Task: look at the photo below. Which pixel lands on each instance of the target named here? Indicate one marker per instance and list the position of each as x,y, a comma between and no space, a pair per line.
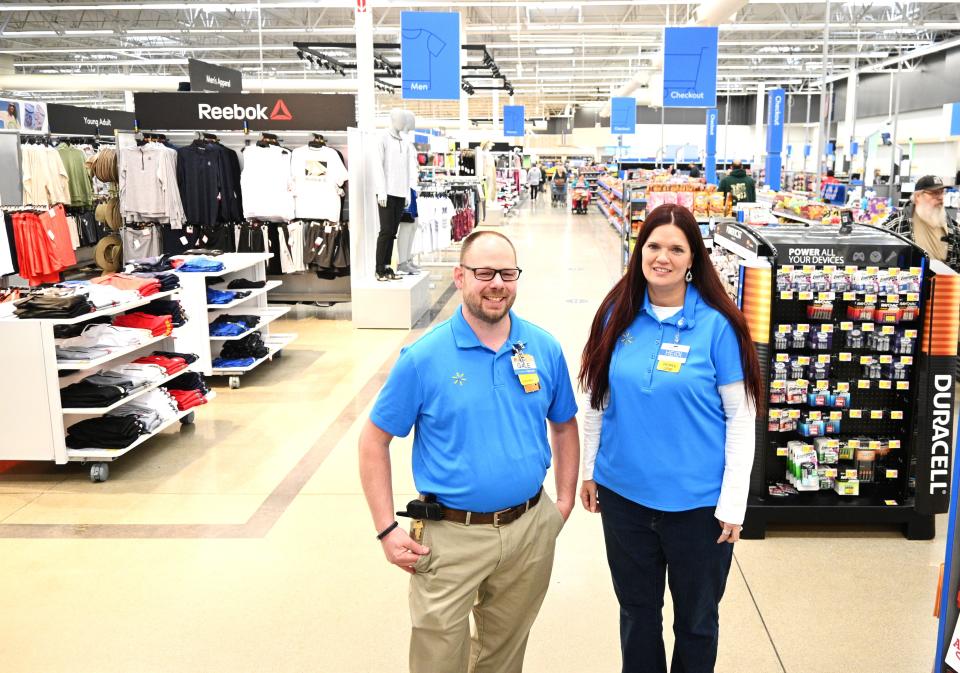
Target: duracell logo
280,111
942,424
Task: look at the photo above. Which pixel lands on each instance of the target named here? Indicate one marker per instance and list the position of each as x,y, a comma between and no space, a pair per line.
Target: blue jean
642,544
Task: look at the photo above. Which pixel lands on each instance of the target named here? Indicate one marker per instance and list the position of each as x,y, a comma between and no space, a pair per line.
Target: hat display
108,212
109,253
929,182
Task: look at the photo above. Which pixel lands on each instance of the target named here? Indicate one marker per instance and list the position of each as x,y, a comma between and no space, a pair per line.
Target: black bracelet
386,531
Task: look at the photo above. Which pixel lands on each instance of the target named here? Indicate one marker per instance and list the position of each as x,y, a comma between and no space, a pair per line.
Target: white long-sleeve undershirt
739,447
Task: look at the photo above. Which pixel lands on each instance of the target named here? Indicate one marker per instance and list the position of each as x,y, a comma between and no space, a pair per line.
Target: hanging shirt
318,174
78,179
266,184
395,174
200,179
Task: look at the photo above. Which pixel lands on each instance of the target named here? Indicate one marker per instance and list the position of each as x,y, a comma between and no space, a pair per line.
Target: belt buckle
496,517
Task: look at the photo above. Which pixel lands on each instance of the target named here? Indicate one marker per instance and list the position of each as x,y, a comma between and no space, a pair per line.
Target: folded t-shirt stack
67,353
86,394
250,346
200,265
233,325
189,381
52,305
99,335
152,409
108,386
159,325
170,365
168,281
101,296
215,296
245,284
105,432
189,358
161,263
143,286
170,307
187,399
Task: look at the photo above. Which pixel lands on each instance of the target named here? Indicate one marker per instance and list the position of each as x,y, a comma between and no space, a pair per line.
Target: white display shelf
610,189
275,342
271,285
79,365
110,310
232,262
108,455
795,217
267,316
99,411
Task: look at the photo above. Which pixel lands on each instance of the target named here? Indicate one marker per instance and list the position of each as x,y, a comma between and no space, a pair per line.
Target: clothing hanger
318,141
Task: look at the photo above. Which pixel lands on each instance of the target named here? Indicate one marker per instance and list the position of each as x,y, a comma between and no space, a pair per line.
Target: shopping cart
558,192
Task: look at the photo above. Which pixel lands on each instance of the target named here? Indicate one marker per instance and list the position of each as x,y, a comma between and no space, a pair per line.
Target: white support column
128,101
464,96
366,97
850,116
759,138
495,112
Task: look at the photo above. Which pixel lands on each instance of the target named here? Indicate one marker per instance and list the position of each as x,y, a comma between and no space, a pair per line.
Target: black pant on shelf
389,221
642,543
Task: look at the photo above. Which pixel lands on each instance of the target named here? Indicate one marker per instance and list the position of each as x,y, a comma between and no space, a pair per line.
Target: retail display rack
609,200
194,337
35,423
857,339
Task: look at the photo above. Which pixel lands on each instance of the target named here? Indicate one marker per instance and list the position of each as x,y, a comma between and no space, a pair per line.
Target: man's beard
932,215
475,306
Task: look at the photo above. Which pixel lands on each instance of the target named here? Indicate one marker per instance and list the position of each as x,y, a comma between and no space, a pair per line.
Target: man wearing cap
926,223
482,390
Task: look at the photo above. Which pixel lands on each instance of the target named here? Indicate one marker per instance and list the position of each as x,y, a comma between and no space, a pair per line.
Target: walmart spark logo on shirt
459,379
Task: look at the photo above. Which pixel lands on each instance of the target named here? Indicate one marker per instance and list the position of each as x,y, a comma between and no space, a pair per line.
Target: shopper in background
534,178
739,185
694,171
925,222
560,175
829,178
481,389
673,380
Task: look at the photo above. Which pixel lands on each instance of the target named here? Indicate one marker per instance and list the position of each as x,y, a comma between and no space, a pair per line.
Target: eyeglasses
485,273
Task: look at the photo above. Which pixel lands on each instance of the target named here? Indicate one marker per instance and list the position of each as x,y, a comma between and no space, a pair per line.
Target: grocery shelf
94,411
610,189
78,365
271,285
267,316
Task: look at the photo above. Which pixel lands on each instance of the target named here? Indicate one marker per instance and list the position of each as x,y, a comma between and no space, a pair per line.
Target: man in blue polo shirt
481,389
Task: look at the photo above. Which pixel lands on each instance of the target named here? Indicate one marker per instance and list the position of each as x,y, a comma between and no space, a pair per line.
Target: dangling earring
689,275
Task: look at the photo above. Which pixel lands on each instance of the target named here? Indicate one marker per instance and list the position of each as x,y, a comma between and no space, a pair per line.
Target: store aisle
244,544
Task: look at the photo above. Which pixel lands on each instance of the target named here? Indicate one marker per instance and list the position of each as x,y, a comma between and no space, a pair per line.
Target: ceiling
556,54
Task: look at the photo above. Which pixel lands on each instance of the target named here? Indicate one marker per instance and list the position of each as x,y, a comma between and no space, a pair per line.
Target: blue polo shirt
481,440
663,435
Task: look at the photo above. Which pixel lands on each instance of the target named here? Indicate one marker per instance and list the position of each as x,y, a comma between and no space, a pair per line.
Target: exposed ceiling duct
717,12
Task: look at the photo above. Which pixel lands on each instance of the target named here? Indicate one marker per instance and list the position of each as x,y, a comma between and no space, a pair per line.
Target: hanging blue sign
789,150
854,148
623,115
776,104
806,150
713,117
430,55
690,67
513,120
955,119
831,149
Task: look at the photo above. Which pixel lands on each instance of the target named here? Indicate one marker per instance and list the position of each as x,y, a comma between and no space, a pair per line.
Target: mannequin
392,183
407,230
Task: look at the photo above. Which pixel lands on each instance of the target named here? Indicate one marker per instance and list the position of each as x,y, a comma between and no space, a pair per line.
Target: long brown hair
624,301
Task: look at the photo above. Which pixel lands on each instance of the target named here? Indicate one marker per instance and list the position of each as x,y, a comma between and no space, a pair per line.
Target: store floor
243,543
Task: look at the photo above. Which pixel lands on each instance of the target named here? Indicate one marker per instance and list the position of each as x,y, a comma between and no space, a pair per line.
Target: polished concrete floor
243,543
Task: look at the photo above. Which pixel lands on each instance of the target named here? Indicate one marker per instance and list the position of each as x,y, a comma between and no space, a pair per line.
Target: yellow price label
907,359
836,415
846,326
830,472
823,385
894,443
843,386
845,357
784,329
804,360
782,452
913,296
870,298
887,329
850,269
815,415
803,328
885,385
915,270
892,474
863,384
827,296
903,385
823,359
787,268
826,329
890,503
886,359
804,295
893,271
829,269
866,359
807,268
850,474
833,443
778,385
803,383
910,333
896,415
854,443
893,298
783,357
856,413
849,296
793,413
867,327
873,269
876,414
875,445
786,294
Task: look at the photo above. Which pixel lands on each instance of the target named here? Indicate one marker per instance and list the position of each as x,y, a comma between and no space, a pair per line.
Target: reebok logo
280,112
207,111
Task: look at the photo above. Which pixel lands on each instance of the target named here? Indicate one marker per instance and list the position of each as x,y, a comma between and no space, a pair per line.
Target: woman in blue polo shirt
673,380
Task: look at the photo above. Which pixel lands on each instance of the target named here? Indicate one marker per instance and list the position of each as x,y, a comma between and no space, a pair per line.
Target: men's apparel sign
513,122
87,120
623,115
690,67
209,77
430,55
236,112
713,116
776,106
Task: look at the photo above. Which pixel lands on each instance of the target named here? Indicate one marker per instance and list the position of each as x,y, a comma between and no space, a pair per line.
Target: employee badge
525,367
672,357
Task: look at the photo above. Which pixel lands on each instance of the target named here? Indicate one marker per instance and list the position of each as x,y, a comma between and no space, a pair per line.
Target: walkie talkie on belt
425,508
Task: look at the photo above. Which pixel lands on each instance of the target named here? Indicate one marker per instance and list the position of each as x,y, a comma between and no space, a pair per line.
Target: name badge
525,367
672,357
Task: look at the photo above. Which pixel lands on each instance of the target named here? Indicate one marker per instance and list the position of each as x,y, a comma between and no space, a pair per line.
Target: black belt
499,518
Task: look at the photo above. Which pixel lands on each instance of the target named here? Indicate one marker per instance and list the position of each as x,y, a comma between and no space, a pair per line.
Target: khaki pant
500,575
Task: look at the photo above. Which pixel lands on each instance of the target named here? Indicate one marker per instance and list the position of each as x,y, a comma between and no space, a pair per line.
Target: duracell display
844,328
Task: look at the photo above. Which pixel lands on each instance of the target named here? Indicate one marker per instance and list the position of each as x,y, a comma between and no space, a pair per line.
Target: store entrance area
243,543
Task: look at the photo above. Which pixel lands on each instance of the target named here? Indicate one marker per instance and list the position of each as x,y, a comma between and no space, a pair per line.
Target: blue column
776,103
711,156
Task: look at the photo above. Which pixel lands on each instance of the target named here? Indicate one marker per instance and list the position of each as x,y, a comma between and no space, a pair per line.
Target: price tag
863,384
846,326
849,296
887,329
823,385
823,359
856,413
845,357
184,241
850,269
885,385
870,298
836,415
782,452
867,327
778,385
913,296
893,271
803,296
866,359
827,296
894,443
876,415
833,443
892,298
849,474
873,270
804,360
896,415
876,445
803,328
890,503
903,385
205,239
854,443
815,416
915,270
843,386
886,359
809,268
910,333
793,413
826,329
803,383
786,294
829,269
784,329
783,357
907,359
830,472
